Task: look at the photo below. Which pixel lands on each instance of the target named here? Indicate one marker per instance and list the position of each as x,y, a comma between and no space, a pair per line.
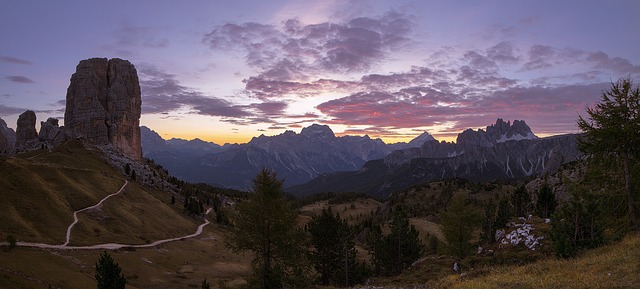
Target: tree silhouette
613,131
266,226
108,273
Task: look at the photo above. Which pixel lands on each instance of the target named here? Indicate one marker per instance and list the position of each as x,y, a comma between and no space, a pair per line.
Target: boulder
103,104
26,133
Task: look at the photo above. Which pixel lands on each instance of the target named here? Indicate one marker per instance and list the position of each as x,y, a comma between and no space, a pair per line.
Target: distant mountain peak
499,132
317,130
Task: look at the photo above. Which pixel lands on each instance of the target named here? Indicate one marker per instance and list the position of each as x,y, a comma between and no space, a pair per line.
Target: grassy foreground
612,266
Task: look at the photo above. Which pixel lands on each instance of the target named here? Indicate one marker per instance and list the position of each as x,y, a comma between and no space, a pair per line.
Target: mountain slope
477,156
41,190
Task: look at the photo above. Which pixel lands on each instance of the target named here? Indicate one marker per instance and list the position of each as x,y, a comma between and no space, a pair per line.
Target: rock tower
26,132
103,104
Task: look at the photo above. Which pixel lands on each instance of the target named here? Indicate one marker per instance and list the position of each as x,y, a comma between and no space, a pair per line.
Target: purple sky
228,70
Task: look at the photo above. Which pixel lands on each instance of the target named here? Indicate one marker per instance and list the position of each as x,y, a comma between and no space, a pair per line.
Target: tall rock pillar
103,104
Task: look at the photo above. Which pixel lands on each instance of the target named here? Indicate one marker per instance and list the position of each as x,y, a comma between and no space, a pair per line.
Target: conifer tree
546,204
577,225
334,257
266,226
458,225
521,201
613,131
108,273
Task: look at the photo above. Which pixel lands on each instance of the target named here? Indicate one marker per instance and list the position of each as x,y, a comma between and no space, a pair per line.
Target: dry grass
614,266
181,264
425,228
40,191
354,212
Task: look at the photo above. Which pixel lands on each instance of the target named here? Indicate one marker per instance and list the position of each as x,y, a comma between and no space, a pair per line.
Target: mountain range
316,160
296,157
501,152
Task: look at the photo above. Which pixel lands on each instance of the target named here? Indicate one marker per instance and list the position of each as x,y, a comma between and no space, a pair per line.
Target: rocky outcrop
51,133
7,137
103,104
26,133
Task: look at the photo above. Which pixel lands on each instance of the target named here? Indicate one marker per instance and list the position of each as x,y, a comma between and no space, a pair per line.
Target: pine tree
613,132
458,225
489,222
108,273
577,225
521,201
404,242
504,212
546,204
334,257
266,226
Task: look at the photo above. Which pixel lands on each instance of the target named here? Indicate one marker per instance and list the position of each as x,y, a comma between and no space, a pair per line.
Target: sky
225,71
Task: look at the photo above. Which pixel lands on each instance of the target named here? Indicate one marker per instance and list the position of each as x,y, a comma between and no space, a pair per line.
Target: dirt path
108,246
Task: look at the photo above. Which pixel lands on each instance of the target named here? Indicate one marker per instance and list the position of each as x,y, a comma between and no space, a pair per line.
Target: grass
353,212
613,266
40,191
181,264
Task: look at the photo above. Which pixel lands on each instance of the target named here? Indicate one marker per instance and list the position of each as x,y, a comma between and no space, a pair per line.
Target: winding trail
108,246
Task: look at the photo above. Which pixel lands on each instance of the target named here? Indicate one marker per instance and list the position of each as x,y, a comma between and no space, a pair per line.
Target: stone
7,137
103,104
51,133
26,129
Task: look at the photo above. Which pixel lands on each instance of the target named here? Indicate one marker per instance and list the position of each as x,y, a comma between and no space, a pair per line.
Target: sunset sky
225,71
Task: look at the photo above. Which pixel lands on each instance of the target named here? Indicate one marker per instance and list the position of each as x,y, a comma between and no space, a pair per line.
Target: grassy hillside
40,191
613,266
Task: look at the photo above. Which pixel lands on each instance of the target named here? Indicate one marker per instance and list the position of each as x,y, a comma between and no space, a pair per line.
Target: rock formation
26,129
7,137
103,104
51,133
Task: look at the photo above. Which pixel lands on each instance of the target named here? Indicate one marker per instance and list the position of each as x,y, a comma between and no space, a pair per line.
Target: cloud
162,92
553,109
10,110
601,60
13,60
294,50
19,79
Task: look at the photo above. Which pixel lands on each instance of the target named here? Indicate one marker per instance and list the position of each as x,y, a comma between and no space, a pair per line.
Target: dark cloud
10,110
13,60
162,92
294,50
503,52
19,79
601,60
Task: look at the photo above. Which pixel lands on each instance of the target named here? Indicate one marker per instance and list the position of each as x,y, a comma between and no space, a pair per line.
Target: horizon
451,140
390,69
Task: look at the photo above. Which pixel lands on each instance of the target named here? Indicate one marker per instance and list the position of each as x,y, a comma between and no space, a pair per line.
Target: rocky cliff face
103,104
26,129
7,137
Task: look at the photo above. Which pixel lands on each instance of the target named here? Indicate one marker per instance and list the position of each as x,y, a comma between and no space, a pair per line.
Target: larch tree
612,130
266,226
